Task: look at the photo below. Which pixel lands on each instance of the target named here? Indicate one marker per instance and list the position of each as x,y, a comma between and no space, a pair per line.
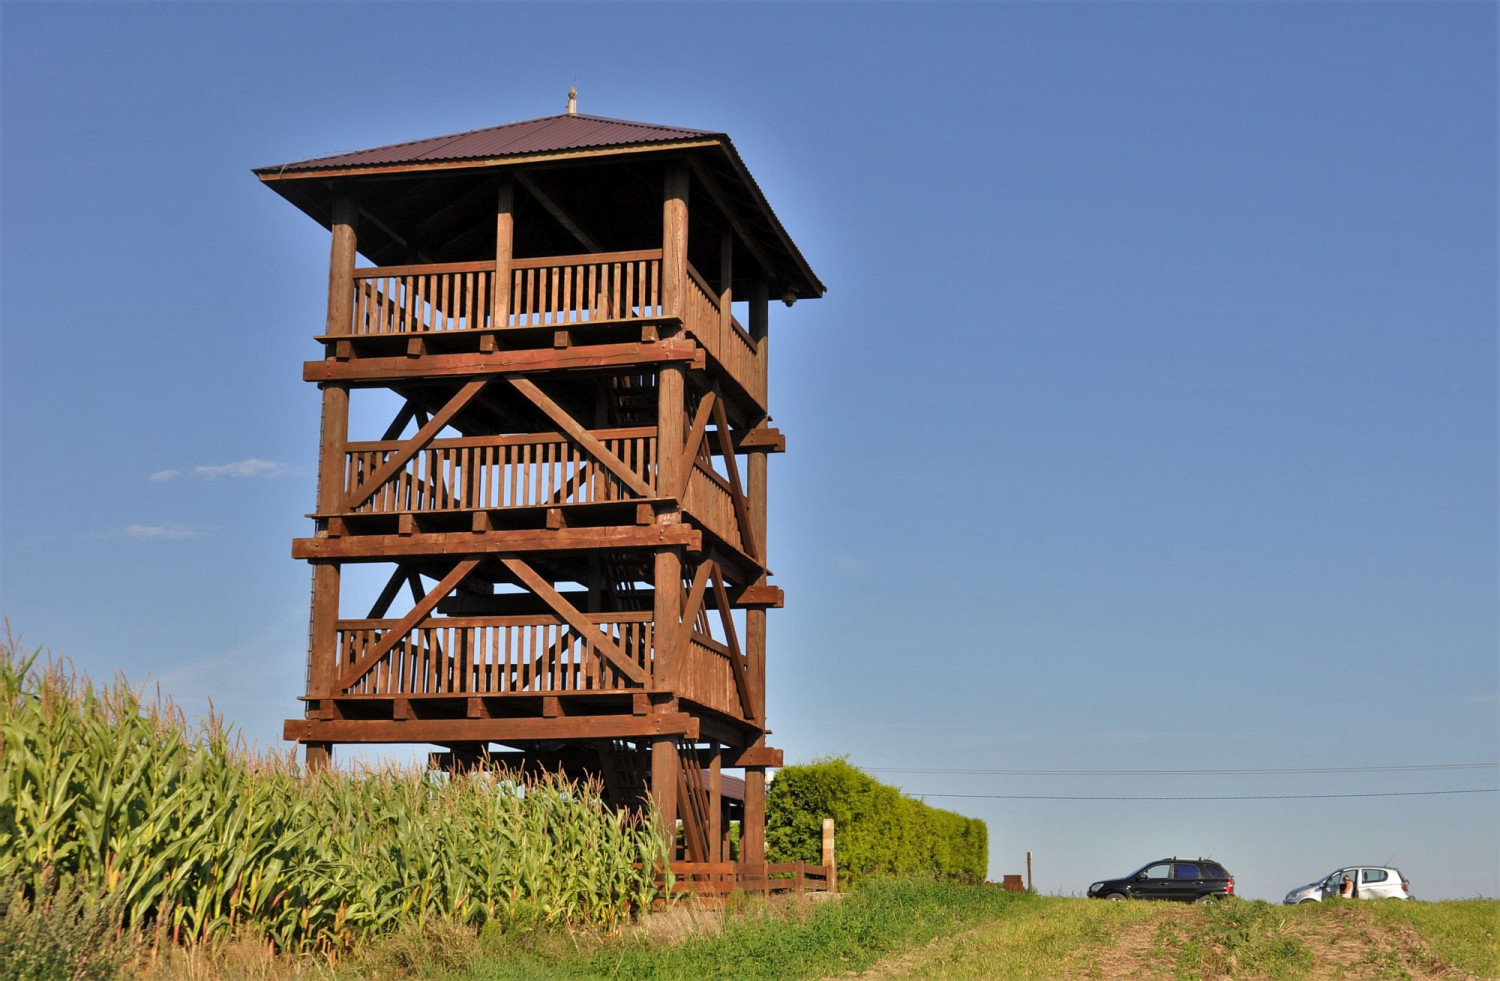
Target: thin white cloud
848,564
162,531
252,467
1490,699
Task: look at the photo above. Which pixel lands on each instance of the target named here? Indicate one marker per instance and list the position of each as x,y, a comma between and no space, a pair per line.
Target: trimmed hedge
879,829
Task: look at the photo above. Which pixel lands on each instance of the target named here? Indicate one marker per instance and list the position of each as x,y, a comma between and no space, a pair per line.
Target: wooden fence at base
718,879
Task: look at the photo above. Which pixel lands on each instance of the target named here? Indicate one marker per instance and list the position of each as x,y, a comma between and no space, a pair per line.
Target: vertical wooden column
716,851
664,789
670,434
505,201
753,833
323,631
753,829
755,619
674,241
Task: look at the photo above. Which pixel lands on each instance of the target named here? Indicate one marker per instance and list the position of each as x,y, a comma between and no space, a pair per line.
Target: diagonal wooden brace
418,613
738,664
695,437
581,436
741,505
587,629
410,448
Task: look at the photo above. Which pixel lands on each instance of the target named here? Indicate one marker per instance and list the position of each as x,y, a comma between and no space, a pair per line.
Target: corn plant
191,837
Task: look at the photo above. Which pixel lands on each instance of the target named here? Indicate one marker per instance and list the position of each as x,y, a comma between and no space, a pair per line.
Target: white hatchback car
1368,881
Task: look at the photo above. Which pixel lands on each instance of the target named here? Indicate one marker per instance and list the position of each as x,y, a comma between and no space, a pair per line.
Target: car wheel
1115,896
1207,897
1304,902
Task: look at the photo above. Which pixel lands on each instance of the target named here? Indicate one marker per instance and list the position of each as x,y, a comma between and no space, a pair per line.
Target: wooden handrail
524,439
588,259
428,269
509,620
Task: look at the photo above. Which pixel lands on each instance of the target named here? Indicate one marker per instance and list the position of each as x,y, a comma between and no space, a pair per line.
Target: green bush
878,829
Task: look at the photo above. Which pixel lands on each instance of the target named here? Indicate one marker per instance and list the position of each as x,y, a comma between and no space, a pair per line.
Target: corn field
192,837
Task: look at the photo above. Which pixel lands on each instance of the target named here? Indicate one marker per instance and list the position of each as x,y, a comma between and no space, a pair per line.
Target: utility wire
1189,773
1409,793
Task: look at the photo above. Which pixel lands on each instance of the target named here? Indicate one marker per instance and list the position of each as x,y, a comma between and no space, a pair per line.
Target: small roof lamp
789,297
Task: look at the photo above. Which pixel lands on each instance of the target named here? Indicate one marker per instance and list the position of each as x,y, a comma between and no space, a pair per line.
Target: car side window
1187,870
1374,875
1163,871
1212,871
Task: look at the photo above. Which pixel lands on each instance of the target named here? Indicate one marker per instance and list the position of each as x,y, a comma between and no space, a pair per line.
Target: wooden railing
485,472
708,879
577,289
406,299
709,500
494,655
705,675
725,340
550,291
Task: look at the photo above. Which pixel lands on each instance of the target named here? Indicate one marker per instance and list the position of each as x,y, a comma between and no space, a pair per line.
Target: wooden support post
716,804
319,758
664,789
830,859
753,831
674,241
1029,886
504,237
323,626
667,573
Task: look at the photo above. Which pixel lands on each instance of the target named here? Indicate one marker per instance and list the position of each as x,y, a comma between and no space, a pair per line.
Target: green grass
924,929
776,940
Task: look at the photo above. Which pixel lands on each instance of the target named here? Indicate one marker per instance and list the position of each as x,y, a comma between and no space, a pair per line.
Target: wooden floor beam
667,726
385,548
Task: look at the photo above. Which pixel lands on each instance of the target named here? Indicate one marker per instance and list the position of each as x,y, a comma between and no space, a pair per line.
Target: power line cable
1254,771
1407,793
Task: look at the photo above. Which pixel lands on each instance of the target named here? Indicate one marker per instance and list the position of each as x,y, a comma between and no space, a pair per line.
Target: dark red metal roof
549,134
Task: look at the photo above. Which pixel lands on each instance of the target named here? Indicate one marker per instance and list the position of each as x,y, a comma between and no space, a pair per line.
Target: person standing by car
1346,891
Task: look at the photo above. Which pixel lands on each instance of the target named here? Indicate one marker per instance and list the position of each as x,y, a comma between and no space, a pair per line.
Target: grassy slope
919,929
927,930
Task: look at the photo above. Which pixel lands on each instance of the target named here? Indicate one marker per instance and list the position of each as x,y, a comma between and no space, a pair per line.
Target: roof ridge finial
573,100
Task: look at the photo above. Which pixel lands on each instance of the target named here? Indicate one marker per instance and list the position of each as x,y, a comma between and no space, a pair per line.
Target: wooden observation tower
564,488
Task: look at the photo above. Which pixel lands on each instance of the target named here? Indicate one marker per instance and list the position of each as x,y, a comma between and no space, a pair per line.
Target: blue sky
1149,422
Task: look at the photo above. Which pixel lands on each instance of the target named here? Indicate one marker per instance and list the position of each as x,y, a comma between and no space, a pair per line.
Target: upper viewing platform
564,223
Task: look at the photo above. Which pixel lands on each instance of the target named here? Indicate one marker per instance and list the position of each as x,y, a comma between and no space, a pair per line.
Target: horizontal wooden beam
759,596
753,756
489,730
385,548
505,362
766,439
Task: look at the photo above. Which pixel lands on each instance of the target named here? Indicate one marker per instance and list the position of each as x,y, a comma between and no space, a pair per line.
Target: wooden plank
409,448
667,724
506,362
418,615
706,406
603,642
381,548
424,269
585,439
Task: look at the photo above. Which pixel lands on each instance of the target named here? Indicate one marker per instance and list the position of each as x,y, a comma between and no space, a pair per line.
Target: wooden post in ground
716,852
664,789
1029,886
830,863
753,831
323,630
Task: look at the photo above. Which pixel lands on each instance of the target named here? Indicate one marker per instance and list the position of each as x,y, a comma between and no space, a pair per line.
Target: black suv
1186,880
